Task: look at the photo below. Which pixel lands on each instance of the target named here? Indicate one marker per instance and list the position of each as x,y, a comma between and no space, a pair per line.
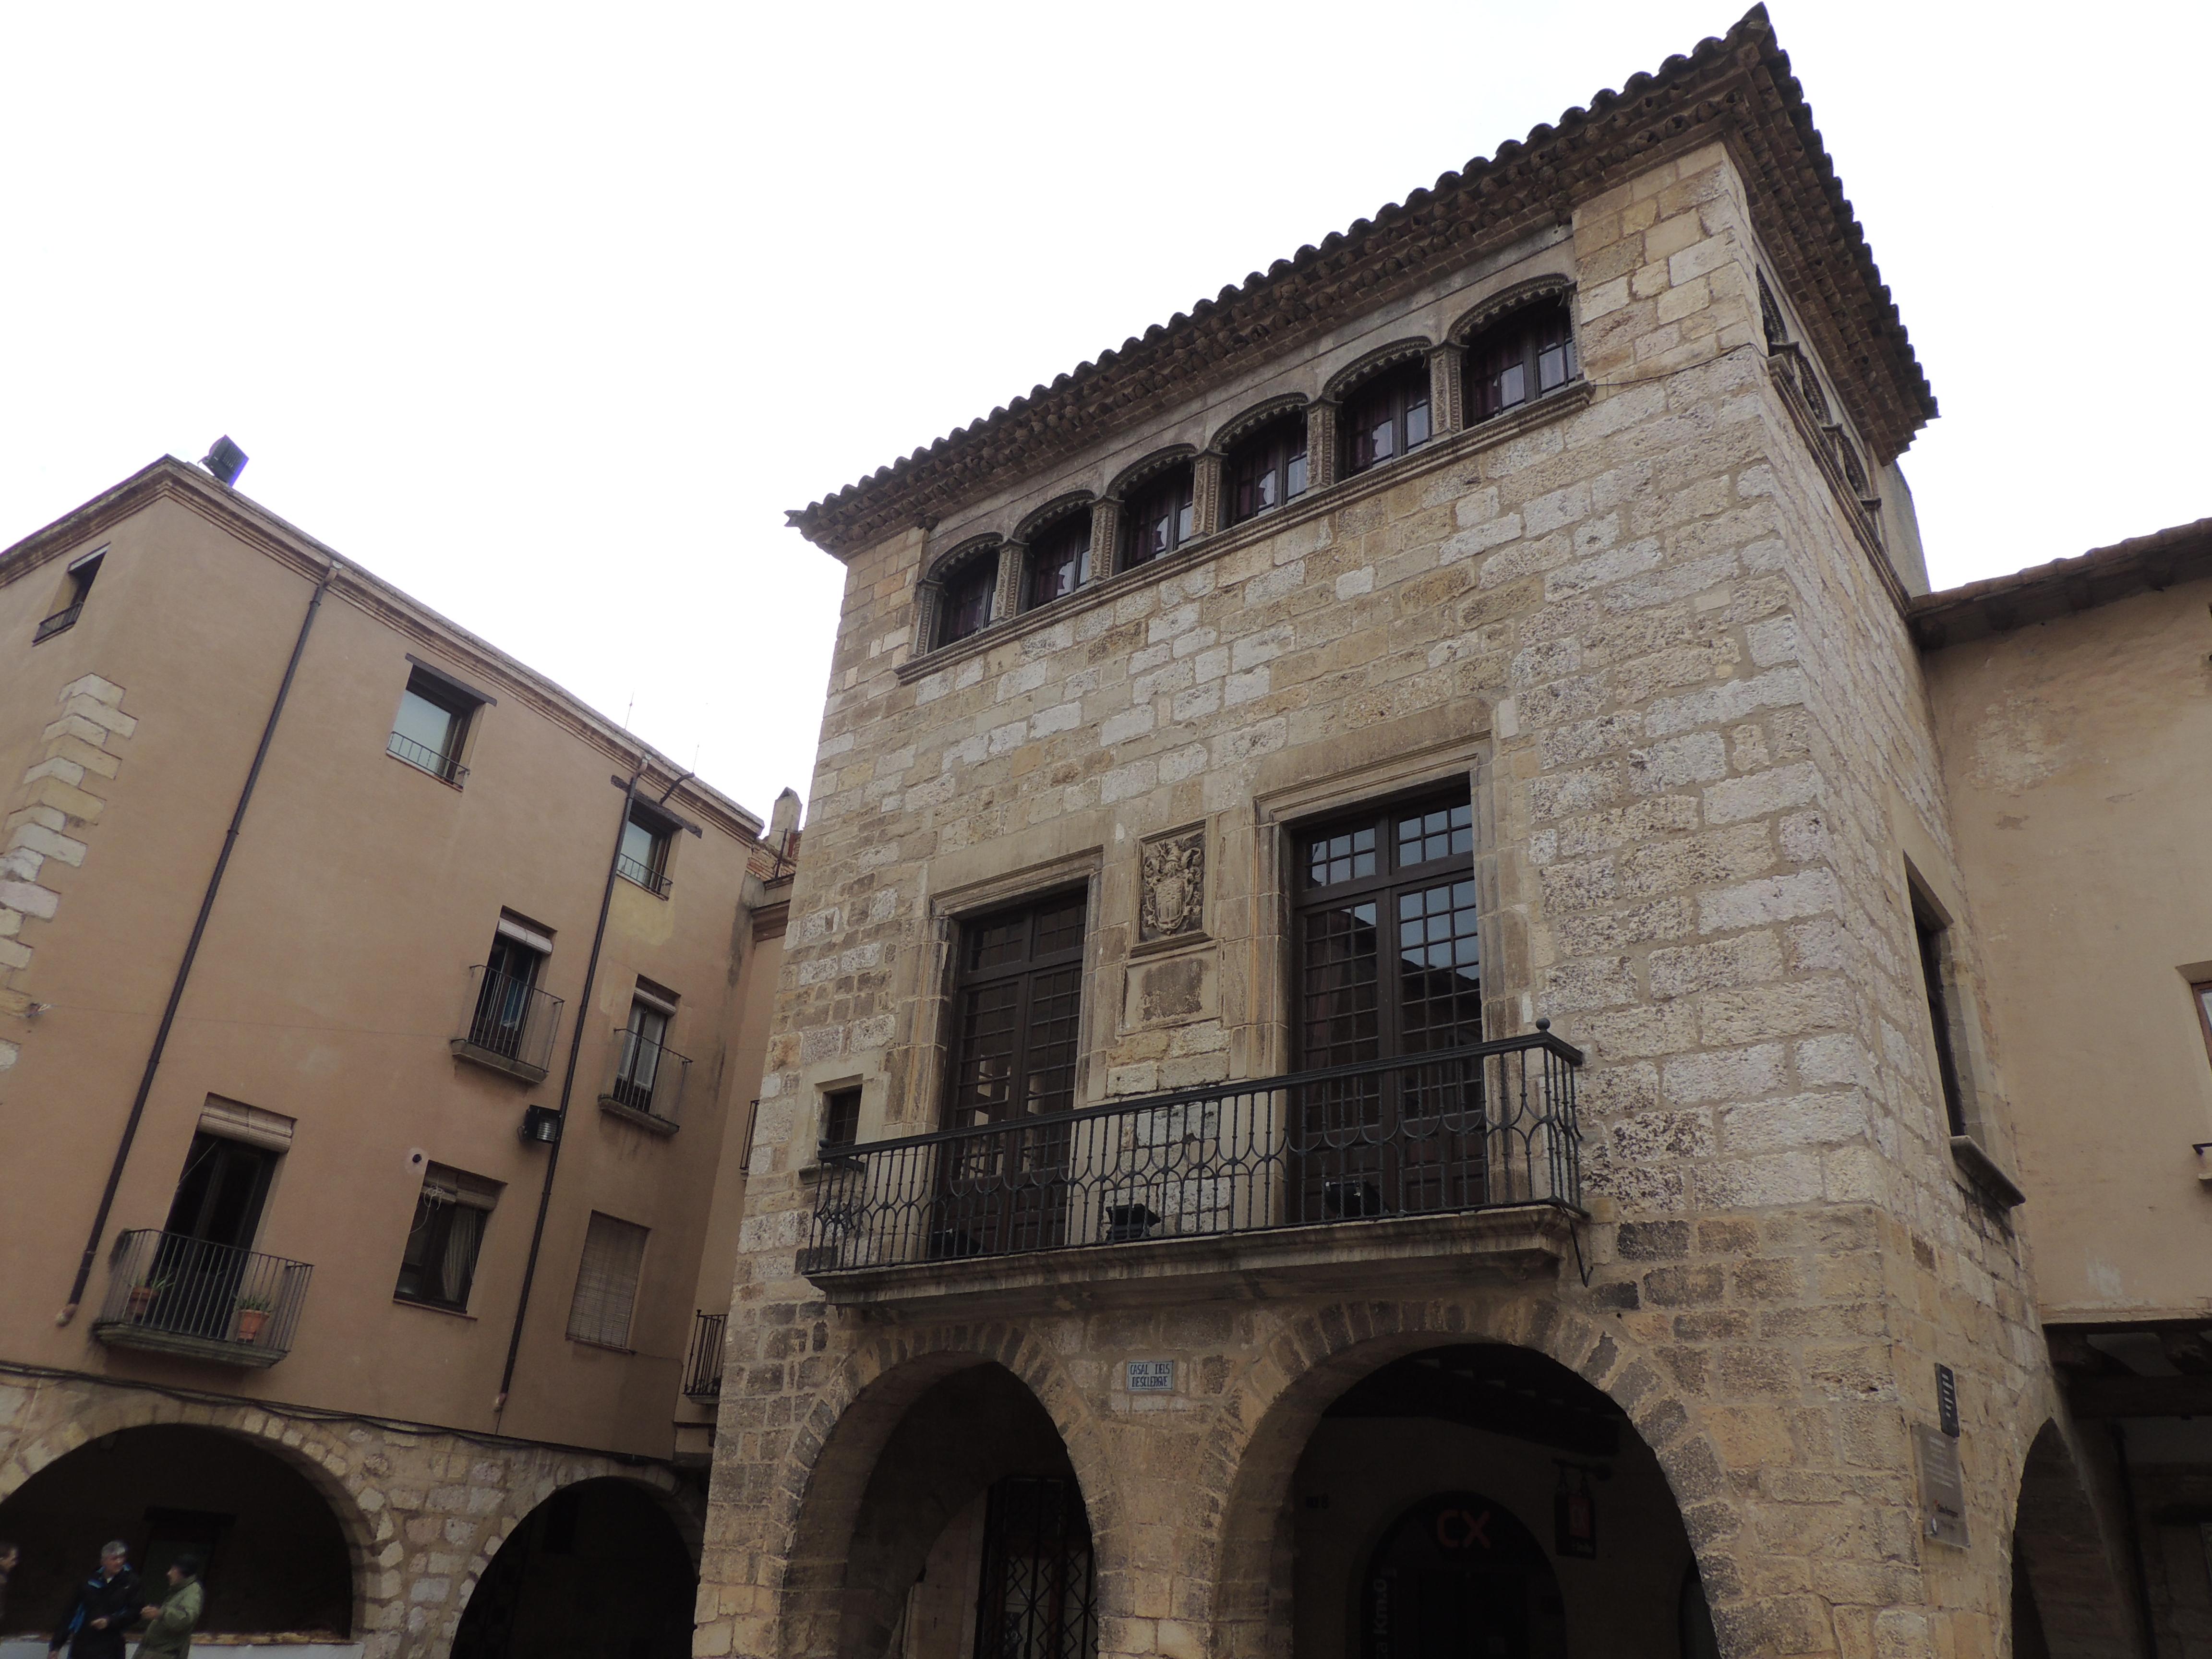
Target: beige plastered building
279,1145
1427,986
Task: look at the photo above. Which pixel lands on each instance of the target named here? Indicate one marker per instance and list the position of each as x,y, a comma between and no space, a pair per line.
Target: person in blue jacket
102,1608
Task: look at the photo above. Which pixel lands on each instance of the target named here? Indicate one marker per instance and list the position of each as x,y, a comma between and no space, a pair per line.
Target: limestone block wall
59,800
423,1511
1646,626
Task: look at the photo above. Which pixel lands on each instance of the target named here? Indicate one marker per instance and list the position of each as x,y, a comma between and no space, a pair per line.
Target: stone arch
523,1501
1274,1407
313,1450
1244,423
2067,1569
1506,301
942,565
1138,472
815,1502
1059,507
1348,378
501,1622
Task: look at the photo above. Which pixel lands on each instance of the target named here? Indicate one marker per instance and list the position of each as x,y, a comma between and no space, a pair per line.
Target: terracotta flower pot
250,1321
140,1298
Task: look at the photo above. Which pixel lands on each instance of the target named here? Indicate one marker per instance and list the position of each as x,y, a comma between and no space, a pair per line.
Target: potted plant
141,1296
252,1315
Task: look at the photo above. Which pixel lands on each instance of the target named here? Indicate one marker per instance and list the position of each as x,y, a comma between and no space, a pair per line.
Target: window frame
469,1192
1065,542
1389,881
427,686
598,1338
1277,453
1398,389
965,981
1929,928
1179,480
840,1119
660,830
976,577
1522,328
2199,990
76,586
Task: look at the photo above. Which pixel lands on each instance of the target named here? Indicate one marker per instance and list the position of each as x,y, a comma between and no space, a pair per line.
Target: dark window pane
1159,517
1526,353
966,607
1059,563
426,723
1390,415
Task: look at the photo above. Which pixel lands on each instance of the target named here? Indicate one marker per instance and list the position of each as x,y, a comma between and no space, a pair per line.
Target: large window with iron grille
1160,517
1388,979
1017,1011
1059,562
1387,415
1523,355
1268,468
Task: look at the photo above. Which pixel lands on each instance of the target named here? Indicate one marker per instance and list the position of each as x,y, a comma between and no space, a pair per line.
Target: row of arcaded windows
1522,355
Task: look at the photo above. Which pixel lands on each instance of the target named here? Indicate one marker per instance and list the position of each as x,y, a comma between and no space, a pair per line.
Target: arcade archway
276,1558
597,1570
1470,1500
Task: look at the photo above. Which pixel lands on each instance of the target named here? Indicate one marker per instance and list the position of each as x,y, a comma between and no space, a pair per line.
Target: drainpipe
191,952
568,1084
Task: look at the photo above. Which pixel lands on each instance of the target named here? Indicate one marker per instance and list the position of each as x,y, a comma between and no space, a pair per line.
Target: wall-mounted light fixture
541,1125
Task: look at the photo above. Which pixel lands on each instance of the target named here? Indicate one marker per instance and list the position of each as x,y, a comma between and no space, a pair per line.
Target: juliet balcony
172,1294
510,1025
1449,1163
645,1082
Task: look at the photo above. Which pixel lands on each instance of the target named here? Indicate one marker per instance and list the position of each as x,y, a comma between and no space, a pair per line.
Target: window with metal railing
646,1076
76,586
512,1018
702,1364
432,725
646,839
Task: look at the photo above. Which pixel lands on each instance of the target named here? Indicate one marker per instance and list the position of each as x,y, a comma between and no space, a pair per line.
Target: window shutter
606,1282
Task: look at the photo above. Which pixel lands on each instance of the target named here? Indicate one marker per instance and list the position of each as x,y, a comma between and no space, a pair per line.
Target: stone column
1447,390
1321,444
1008,600
926,596
1205,494
1105,539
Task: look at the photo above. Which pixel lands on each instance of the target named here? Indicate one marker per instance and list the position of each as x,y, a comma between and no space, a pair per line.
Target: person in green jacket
171,1629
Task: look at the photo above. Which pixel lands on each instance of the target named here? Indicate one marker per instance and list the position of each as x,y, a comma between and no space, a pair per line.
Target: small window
439,1262
1387,415
2202,991
1267,469
840,1119
1059,561
965,608
74,588
1928,929
645,1054
432,721
1160,518
606,1282
1522,355
645,843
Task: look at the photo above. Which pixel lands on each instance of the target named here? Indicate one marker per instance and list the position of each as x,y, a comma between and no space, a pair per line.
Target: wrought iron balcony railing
60,621
647,1079
422,756
510,1025
643,874
181,1295
702,1366
1486,1127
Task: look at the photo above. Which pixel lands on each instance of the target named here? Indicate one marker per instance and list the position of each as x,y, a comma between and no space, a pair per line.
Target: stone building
1143,1257
359,989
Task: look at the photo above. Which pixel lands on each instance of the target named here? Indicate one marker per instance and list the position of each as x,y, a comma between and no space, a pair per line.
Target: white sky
547,313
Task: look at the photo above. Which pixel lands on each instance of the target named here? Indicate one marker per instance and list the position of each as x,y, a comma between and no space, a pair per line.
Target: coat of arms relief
1173,901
